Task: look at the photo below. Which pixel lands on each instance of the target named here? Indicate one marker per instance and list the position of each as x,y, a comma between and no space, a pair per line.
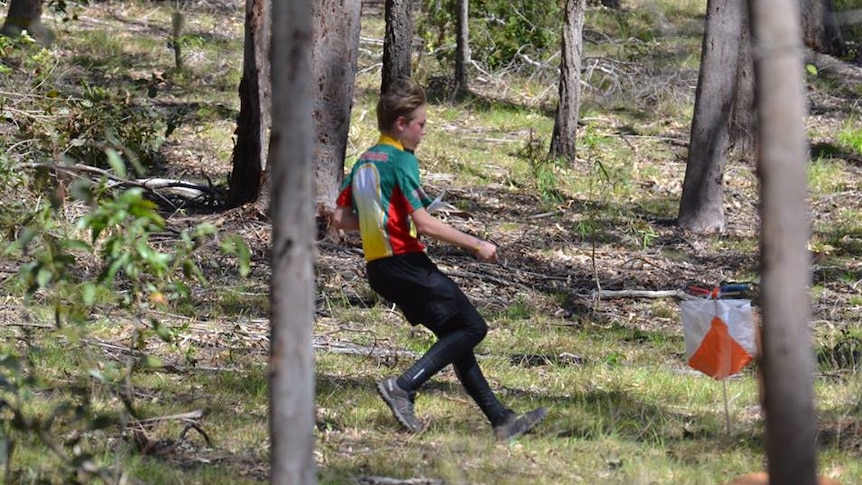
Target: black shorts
413,282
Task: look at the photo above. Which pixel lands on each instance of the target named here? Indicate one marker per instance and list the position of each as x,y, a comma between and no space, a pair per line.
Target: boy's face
411,132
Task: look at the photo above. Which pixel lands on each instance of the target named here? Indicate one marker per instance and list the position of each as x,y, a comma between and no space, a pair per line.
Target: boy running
383,199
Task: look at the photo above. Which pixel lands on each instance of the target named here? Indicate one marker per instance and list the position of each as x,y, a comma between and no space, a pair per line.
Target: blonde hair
401,99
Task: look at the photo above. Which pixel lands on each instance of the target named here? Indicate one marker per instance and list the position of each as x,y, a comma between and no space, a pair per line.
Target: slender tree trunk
743,125
565,135
336,42
250,152
701,208
291,363
26,15
788,363
820,27
397,42
462,47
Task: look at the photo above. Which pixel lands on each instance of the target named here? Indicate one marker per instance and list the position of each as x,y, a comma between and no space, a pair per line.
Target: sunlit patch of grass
826,176
850,136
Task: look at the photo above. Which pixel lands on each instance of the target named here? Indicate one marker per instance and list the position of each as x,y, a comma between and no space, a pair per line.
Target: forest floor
625,407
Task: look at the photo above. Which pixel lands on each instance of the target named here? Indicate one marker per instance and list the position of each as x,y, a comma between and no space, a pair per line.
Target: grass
624,406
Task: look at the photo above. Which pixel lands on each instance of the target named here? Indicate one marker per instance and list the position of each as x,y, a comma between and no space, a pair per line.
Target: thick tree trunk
397,42
743,125
250,152
701,208
26,15
565,135
788,362
820,27
291,362
336,41
462,47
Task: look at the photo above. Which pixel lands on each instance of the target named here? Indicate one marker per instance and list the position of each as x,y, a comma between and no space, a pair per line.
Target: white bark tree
291,362
788,360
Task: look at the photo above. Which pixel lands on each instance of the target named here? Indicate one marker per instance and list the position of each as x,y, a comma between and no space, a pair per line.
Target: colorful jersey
383,188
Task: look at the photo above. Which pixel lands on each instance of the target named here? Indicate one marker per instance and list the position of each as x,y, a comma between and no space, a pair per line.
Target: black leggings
456,339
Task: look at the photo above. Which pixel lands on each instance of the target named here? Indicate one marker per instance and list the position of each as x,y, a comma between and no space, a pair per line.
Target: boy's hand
487,251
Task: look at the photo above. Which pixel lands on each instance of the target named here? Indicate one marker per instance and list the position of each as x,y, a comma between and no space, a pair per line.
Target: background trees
701,208
819,27
253,124
564,137
336,41
397,42
26,15
637,80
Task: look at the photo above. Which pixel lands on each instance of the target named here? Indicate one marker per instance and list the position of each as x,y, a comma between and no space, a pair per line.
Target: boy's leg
399,393
455,339
506,423
471,377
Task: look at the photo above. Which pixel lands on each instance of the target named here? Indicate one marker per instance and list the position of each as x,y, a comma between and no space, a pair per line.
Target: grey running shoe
518,424
401,404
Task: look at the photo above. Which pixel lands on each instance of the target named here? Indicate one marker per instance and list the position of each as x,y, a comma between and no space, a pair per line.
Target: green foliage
843,351
123,227
499,30
543,170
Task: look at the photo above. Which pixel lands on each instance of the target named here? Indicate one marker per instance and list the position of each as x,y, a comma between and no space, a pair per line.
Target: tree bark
253,123
701,208
291,363
336,42
462,48
397,42
820,27
743,125
565,135
788,362
26,15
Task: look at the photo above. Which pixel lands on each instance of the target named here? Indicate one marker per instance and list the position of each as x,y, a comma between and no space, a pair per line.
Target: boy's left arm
345,219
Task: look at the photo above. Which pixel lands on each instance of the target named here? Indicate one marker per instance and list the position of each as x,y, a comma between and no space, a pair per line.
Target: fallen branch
399,481
167,190
612,294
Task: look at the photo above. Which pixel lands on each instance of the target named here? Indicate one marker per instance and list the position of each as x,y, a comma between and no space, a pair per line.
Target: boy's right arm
430,226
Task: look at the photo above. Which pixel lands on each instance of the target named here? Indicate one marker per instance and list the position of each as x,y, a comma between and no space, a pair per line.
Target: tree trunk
26,15
820,27
462,48
397,42
250,152
701,208
291,363
336,42
743,125
566,118
788,359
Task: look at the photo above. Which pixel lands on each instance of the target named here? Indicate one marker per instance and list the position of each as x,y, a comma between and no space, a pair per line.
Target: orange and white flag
719,335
